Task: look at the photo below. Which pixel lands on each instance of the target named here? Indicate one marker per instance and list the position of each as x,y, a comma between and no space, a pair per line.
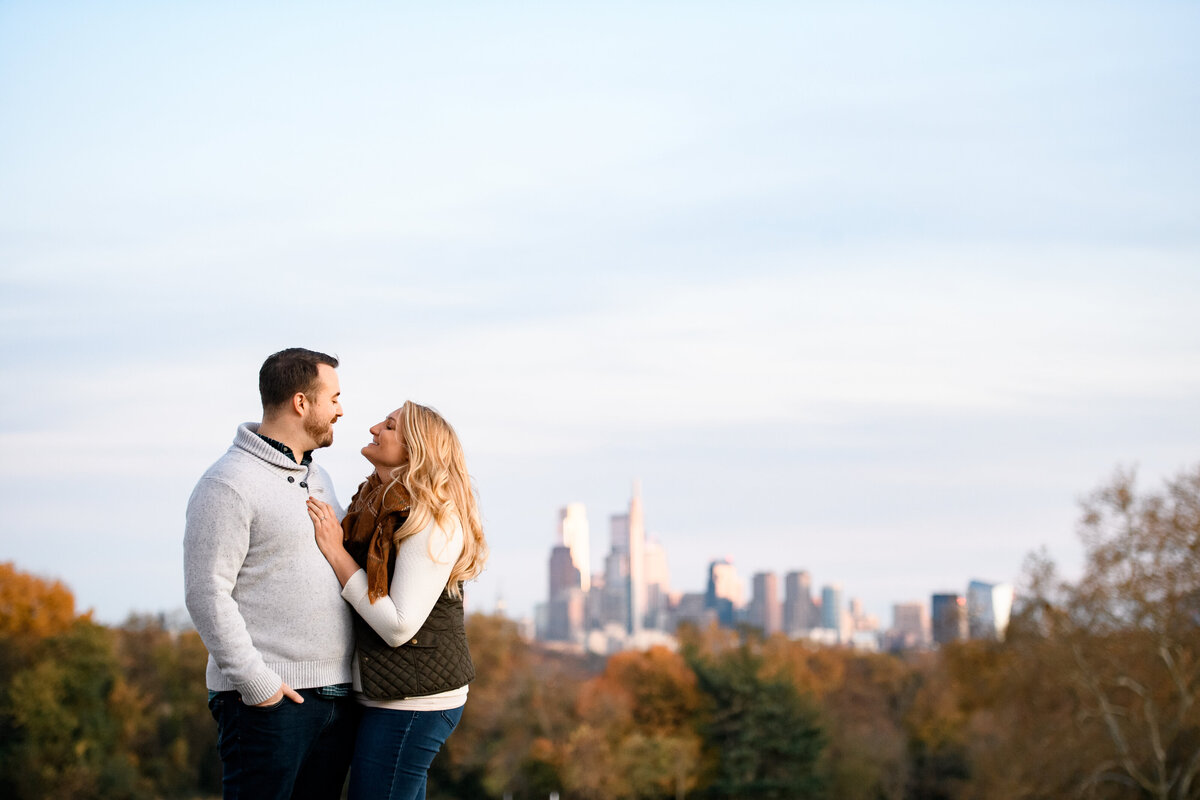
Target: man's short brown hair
289,371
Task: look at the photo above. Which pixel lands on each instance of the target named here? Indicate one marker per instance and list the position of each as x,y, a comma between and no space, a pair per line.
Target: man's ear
299,403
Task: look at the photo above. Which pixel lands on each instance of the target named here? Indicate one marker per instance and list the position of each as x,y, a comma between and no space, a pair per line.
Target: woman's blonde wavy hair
439,488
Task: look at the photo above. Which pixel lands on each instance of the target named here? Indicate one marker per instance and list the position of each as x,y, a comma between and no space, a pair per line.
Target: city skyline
572,612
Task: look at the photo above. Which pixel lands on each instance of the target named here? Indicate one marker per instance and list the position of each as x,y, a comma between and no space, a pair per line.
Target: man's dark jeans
288,751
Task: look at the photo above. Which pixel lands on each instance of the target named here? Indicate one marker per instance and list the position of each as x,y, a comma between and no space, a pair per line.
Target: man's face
324,407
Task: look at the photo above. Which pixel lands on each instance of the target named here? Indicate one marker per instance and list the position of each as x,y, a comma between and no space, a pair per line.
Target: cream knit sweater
263,598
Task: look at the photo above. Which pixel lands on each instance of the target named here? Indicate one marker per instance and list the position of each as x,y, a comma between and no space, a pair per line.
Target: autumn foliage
88,711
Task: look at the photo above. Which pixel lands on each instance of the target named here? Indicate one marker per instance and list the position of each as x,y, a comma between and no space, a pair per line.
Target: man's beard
321,432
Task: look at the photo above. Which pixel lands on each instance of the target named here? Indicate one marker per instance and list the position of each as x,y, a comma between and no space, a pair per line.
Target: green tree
72,715
867,754
765,735
91,711
864,699
57,676
174,742
938,734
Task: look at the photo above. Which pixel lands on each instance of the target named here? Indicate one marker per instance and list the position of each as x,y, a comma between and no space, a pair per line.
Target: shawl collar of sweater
247,439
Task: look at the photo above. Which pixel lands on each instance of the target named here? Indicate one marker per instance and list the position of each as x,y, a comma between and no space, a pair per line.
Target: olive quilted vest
435,660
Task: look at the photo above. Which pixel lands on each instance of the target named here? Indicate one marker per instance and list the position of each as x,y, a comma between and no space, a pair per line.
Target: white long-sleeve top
423,564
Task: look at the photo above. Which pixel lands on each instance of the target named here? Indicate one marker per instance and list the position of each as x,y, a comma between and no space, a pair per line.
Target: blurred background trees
88,711
1094,693
1114,657
762,734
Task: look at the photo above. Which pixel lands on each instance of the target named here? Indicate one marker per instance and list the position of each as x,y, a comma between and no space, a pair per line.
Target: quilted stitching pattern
436,660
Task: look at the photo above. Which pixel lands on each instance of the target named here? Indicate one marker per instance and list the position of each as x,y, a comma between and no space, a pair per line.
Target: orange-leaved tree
65,719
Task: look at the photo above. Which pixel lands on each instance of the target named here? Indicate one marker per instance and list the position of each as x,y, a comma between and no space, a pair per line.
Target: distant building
564,575
564,614
833,613
800,612
693,609
864,641
860,620
637,562
618,531
629,603
658,586
565,617
989,606
910,626
614,606
949,611
765,612
593,612
625,568
827,637
573,534
606,640
724,594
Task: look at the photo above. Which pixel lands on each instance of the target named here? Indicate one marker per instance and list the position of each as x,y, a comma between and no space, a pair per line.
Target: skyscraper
566,618
910,625
724,593
949,613
573,534
565,606
988,608
614,607
564,575
625,567
799,609
637,562
765,611
658,585
832,610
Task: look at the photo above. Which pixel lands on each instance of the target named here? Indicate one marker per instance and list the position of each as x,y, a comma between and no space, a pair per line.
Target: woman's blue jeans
394,750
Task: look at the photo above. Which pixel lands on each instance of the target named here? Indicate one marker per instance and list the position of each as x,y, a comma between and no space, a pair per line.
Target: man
266,603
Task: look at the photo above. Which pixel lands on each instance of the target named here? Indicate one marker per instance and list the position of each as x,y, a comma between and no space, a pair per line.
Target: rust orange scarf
369,529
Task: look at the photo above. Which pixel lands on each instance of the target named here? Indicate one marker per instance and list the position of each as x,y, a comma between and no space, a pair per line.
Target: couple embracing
335,638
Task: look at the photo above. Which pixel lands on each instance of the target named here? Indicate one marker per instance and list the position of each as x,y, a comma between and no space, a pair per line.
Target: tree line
1093,693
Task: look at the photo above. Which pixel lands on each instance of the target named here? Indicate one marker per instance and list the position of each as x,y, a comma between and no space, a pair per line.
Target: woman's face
387,442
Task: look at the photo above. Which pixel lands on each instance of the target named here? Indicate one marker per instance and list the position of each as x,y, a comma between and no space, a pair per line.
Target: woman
410,537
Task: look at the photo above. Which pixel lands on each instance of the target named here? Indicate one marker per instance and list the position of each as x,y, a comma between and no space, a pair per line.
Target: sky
876,290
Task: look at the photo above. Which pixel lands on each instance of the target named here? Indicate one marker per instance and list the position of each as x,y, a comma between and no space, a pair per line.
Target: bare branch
1189,775
1186,698
1110,720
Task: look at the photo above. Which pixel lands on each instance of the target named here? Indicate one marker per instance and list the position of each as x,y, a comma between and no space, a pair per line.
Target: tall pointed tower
637,562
